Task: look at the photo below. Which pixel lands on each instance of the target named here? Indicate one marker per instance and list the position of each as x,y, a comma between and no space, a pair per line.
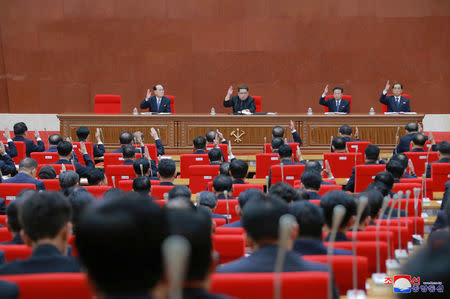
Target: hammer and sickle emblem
237,134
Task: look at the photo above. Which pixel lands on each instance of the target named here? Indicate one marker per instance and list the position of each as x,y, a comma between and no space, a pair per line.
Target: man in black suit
83,134
53,141
222,183
11,149
97,177
167,172
395,103
209,200
46,228
142,166
275,144
278,131
27,174
346,132
419,140
215,156
328,202
68,181
142,186
375,201
285,191
179,192
7,165
199,143
244,197
12,212
339,145
314,165
139,268
285,153
128,154
336,104
65,151
405,141
157,103
311,181
20,131
238,171
126,138
311,221
242,102
443,149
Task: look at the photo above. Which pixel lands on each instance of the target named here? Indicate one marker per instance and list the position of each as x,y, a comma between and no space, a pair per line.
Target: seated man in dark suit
387,179
238,171
222,183
157,103
199,145
167,172
406,164
7,165
311,221
11,149
395,103
328,202
97,177
179,192
346,132
142,167
68,181
128,154
83,134
8,290
65,152
46,228
315,165
418,142
339,145
278,131
285,191
79,199
443,149
275,144
311,182
139,268
285,153
142,186
242,102
396,169
126,138
20,131
336,104
374,201
27,174
47,173
53,141
215,136
244,197
405,141
215,156
209,200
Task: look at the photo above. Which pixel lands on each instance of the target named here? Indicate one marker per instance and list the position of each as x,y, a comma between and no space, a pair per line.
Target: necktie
337,106
158,102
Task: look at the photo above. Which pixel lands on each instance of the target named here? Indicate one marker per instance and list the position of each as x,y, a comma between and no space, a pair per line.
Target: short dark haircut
395,168
166,168
113,194
211,135
68,179
444,147
374,201
222,183
225,168
195,226
238,169
20,128
44,214
277,131
309,218
249,194
311,180
419,139
285,191
242,87
386,178
137,166
276,142
208,199
128,151
156,86
95,176
338,88
378,186
180,191
372,152
79,200
83,133
313,165
260,218
199,142
135,226
366,211
54,139
142,185
345,130
302,194
64,148
397,83
412,127
334,198
402,158
125,137
285,151
28,164
47,173
12,210
215,154
339,143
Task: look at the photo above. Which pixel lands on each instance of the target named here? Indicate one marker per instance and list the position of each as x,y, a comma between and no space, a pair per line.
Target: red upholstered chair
200,175
14,252
21,150
402,222
440,173
372,236
344,97
107,104
327,188
3,219
45,158
159,191
263,164
51,285
315,201
160,202
222,209
341,164
97,191
115,158
384,107
291,173
116,173
9,191
419,222
229,231
230,247
411,209
419,159
89,148
239,188
307,285
127,185
404,234
365,174
5,234
219,221
357,146
172,102
293,145
223,147
406,186
187,160
57,167
429,183
52,185
258,103
343,267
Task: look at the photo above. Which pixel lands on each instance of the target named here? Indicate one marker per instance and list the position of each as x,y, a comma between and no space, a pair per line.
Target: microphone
355,292
338,215
424,188
282,171
176,251
166,197
228,206
391,264
400,253
396,140
356,155
408,196
378,278
286,223
265,141
417,239
114,181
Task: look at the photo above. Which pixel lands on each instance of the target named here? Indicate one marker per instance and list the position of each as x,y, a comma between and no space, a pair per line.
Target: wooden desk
245,132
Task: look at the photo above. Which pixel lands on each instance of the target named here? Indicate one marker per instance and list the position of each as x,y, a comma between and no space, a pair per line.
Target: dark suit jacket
166,184
443,160
440,222
45,258
239,105
344,105
7,164
197,293
351,181
285,162
99,149
11,150
159,148
392,106
218,216
80,169
316,247
17,240
8,290
30,145
24,178
152,104
199,152
238,181
297,138
313,195
446,195
340,237
222,196
128,296
404,143
233,224
128,162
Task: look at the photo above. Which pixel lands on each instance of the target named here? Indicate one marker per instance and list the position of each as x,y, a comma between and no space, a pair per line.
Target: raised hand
147,154
431,139
411,167
327,169
419,125
6,134
36,134
386,88
230,152
63,167
154,134
83,149
325,90
220,134
216,140
291,125
149,94
97,134
356,133
229,93
299,154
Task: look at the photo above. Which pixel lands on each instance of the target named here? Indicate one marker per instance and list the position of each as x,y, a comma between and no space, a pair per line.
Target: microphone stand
228,206
378,278
400,253
338,214
391,264
176,251
417,239
408,196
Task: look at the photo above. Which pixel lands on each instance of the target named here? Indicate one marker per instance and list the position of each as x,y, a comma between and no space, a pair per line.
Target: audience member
244,197
225,168
113,194
222,183
209,200
79,199
11,149
142,186
97,177
405,141
47,173
53,141
142,166
65,155
83,134
129,154
67,180
275,144
238,171
316,166
215,156
311,182
339,145
418,142
180,191
7,165
346,132
27,174
443,149
167,172
278,131
284,191
20,133
328,202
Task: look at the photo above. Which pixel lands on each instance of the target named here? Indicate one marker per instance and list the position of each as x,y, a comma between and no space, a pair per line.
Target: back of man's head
12,210
166,168
339,143
412,127
215,155
207,199
225,168
79,200
443,147
113,194
68,179
284,191
44,215
402,158
129,151
28,165
311,180
378,186
83,133
395,168
141,166
129,228
238,169
309,218
142,185
334,198
419,140
54,139
276,143
277,131
47,173
386,178
222,183
374,201
125,137
64,148
95,176
199,143
313,165
372,152
345,130
20,128
285,151
248,195
210,136
180,191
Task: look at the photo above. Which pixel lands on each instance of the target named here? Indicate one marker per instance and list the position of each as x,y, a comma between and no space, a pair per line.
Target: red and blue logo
402,284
